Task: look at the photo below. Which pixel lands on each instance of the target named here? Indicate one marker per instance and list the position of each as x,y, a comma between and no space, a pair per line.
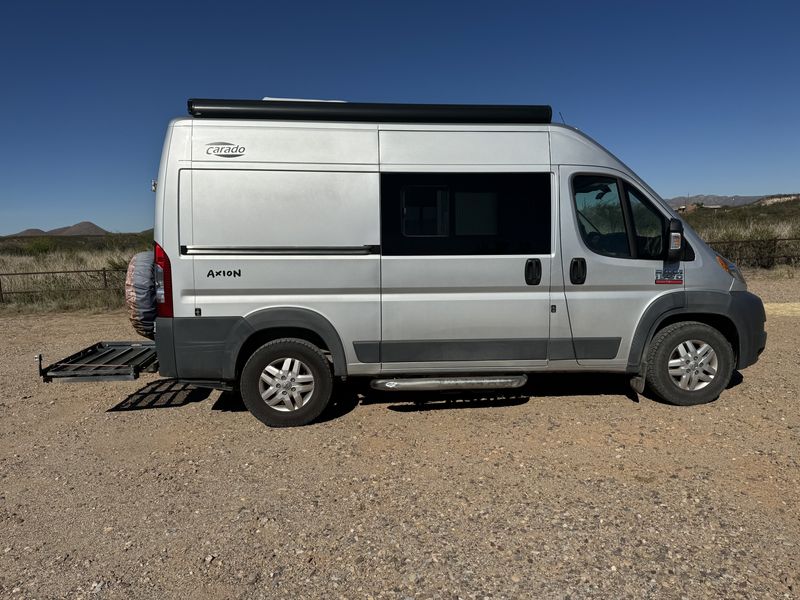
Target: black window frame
627,215
524,213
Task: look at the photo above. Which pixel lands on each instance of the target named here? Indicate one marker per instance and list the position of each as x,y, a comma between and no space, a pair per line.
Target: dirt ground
147,489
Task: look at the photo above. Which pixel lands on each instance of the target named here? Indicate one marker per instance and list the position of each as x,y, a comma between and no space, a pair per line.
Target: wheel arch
721,323
269,324
710,308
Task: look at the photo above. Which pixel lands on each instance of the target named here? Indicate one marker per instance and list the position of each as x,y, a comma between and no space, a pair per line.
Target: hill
769,217
715,201
30,232
82,228
778,199
712,200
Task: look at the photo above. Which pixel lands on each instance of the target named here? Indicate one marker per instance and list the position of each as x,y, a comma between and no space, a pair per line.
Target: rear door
613,261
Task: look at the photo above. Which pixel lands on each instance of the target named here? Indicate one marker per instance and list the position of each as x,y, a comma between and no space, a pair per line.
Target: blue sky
697,97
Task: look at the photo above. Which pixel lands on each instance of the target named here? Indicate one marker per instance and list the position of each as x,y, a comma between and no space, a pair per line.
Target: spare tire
140,294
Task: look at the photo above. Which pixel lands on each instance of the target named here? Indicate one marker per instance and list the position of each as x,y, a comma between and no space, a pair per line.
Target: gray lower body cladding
198,347
486,349
208,347
165,348
744,309
748,313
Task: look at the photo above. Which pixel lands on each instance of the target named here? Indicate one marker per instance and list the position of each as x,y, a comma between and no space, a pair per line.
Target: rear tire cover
140,294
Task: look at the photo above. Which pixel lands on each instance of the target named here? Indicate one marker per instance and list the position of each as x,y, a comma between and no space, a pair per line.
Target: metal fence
764,253
37,283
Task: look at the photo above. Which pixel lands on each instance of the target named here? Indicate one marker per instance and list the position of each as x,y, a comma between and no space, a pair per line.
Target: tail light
163,283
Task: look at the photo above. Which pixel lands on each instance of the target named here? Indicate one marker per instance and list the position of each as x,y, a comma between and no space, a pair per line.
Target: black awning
293,110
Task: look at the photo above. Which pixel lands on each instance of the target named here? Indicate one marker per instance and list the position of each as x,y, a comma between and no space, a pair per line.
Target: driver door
613,261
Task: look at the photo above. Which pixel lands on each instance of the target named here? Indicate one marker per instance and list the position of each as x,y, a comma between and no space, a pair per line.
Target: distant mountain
82,228
28,232
711,200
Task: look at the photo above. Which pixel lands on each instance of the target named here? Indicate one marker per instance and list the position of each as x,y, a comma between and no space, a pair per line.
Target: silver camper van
423,247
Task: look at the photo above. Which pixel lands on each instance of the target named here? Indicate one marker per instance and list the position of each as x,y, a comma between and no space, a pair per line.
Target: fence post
1,290
105,279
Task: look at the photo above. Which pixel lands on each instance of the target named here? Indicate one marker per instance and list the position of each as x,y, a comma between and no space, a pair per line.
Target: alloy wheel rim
286,384
693,365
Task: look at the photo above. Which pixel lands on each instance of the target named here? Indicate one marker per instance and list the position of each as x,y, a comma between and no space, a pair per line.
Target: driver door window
615,219
601,218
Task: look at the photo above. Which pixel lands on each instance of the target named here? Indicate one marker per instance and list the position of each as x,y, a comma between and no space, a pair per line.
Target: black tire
661,348
311,357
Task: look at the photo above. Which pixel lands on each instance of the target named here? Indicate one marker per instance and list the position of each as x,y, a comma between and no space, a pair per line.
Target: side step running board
448,383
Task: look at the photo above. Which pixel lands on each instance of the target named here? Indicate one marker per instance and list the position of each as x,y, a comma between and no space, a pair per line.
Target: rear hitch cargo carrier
103,361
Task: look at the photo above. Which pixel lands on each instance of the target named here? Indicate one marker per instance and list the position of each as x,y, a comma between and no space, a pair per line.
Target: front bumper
748,314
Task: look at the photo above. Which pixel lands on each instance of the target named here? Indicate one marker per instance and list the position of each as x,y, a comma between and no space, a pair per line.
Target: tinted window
600,215
649,225
475,213
465,213
426,211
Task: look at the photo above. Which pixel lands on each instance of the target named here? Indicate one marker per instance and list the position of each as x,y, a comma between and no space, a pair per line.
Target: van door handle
577,271
533,271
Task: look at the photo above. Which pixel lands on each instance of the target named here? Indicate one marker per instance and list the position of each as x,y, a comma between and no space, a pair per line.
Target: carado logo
224,149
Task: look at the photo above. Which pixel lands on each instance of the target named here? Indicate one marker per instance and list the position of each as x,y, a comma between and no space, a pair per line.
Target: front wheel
689,363
286,383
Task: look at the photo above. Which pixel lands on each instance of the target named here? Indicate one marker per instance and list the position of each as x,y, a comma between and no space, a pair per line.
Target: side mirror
674,241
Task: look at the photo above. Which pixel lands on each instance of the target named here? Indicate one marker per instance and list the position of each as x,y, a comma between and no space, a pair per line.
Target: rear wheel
689,363
286,382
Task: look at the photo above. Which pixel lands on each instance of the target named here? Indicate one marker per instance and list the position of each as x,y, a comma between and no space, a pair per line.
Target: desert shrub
40,246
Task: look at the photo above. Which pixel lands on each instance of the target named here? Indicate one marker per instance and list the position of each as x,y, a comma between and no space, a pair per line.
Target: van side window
600,215
649,226
465,213
475,213
426,211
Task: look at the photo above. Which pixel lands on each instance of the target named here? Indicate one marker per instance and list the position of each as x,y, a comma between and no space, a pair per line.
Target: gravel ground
580,490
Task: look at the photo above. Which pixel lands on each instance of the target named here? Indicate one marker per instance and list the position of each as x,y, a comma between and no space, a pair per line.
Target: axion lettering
234,273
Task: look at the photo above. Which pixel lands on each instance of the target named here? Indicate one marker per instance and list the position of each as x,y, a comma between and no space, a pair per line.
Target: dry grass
762,232
63,261
754,242
63,291
751,230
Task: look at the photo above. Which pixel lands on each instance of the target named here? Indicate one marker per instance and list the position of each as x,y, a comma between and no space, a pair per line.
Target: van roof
293,110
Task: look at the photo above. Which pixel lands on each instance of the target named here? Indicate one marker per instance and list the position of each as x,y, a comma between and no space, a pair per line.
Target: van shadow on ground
538,385
168,393
346,396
